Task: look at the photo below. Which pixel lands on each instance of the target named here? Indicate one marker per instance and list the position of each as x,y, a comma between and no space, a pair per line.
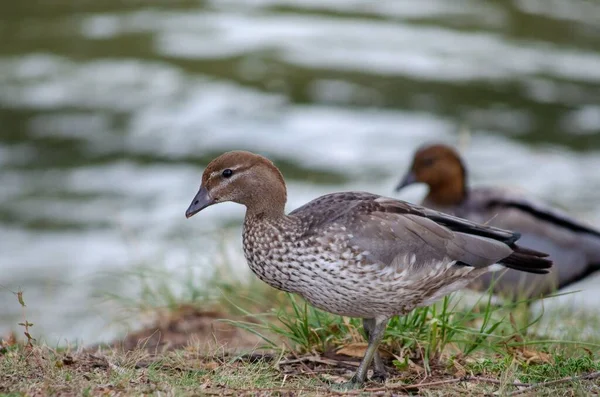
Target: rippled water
109,110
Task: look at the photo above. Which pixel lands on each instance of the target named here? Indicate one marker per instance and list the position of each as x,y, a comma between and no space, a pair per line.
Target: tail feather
527,260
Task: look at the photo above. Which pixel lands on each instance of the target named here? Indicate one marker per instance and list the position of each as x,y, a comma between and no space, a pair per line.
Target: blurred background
109,110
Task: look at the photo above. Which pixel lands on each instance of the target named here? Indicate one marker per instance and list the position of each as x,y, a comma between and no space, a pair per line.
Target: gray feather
391,230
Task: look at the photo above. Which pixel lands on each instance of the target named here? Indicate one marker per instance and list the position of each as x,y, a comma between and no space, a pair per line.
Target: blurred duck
573,246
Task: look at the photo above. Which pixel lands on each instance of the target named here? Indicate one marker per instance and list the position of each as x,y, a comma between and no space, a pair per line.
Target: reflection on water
109,110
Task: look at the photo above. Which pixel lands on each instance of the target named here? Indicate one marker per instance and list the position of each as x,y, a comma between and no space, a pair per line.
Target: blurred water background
110,109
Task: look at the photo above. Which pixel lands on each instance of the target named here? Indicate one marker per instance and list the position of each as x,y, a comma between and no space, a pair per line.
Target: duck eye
227,173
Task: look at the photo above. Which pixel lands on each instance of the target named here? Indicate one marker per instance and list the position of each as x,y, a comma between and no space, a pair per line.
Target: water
109,110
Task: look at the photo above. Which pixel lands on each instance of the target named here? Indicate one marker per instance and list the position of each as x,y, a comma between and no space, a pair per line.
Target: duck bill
408,179
200,202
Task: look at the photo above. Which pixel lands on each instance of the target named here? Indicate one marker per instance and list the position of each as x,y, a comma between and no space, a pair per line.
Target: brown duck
356,254
573,247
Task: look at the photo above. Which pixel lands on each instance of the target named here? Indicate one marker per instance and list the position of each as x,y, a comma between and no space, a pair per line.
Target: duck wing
393,230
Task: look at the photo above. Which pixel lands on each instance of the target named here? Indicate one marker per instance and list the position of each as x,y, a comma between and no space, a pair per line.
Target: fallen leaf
415,367
536,357
460,370
359,349
353,350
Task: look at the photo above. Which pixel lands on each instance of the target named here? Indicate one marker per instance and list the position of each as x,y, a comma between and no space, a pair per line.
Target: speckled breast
338,282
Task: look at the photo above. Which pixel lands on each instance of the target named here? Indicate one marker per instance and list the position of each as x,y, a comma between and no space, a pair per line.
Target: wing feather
400,234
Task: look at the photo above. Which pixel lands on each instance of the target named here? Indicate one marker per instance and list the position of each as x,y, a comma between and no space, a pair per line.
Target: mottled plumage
360,255
573,246
356,254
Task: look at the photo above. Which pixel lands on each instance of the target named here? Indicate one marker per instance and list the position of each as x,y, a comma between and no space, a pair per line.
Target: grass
553,366
450,348
42,370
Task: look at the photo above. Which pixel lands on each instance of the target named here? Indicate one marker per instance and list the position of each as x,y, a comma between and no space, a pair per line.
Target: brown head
440,167
245,178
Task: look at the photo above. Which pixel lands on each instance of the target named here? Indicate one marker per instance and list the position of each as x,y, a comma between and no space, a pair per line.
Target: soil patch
187,326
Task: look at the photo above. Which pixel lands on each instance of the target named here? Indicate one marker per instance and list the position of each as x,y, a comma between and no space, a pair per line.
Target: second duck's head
441,168
244,178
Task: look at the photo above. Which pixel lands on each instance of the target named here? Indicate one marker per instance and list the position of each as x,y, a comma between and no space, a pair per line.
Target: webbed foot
352,384
379,376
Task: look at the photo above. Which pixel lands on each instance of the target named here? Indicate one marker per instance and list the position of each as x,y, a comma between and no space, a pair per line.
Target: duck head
244,178
442,170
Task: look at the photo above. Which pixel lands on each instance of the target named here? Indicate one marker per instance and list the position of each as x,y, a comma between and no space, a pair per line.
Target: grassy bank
236,338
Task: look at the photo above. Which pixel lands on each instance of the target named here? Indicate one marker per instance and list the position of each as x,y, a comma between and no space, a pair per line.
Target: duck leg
376,329
379,371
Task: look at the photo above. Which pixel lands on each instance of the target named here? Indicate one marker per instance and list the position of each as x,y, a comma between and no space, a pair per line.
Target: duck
573,246
354,253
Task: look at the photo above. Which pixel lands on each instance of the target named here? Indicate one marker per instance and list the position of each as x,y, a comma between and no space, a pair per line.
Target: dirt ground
190,326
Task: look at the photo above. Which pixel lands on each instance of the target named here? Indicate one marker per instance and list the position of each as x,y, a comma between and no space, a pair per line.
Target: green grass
476,349
429,333
559,366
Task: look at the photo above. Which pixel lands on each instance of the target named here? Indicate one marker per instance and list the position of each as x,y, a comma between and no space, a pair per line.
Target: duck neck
266,212
449,193
268,201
